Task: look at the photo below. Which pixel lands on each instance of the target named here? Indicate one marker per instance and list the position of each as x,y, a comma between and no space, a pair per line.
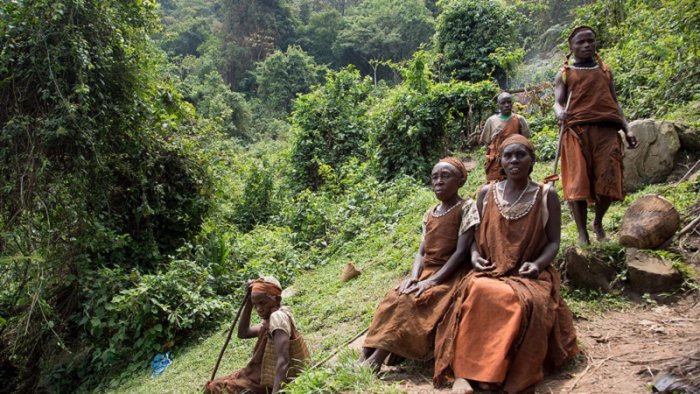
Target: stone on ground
584,270
651,274
652,161
649,222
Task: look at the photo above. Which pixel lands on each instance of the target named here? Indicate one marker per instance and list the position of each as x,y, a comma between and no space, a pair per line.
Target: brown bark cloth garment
591,150
247,379
503,327
404,324
492,164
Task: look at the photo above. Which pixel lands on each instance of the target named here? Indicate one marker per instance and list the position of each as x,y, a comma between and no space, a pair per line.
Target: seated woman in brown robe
404,323
508,321
265,294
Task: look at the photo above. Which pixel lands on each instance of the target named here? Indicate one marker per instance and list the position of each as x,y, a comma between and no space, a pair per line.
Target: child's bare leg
579,211
462,386
601,207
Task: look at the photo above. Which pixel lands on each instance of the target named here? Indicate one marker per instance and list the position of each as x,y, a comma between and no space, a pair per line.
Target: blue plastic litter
160,362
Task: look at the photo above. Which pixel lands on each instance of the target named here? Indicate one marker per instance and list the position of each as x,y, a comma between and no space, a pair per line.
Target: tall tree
252,30
382,30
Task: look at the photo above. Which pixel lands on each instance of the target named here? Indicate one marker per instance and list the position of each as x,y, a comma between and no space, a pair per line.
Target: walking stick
228,337
554,175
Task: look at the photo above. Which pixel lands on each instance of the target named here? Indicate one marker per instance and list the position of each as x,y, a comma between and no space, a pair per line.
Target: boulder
649,222
689,137
653,159
584,270
651,274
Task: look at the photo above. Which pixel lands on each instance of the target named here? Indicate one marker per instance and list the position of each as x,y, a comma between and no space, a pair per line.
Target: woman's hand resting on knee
405,285
481,264
529,270
420,287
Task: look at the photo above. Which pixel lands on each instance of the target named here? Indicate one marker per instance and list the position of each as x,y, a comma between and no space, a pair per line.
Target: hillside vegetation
155,156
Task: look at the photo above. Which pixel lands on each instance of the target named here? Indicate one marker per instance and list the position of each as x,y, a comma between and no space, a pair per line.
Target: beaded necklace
513,211
437,215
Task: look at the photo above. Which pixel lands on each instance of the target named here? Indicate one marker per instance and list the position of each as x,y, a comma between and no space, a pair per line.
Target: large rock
650,274
585,270
652,161
689,137
649,222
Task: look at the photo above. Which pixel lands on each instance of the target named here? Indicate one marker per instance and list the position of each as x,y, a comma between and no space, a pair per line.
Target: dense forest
156,155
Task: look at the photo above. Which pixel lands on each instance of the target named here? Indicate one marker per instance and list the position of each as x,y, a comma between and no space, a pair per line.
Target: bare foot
599,232
462,386
583,238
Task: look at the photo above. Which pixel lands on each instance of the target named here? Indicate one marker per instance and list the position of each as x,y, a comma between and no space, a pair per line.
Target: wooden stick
228,337
561,132
318,364
677,235
687,174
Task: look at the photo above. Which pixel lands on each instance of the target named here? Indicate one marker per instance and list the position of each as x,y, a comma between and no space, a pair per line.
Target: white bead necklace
437,215
503,194
514,211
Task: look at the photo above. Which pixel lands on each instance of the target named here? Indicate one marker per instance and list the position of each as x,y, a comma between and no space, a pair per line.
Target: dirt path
622,351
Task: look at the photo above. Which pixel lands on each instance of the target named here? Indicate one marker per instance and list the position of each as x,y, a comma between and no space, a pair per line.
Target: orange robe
503,328
492,164
591,149
404,324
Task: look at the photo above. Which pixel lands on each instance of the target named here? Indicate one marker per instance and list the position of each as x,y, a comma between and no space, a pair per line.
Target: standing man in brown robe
497,128
591,149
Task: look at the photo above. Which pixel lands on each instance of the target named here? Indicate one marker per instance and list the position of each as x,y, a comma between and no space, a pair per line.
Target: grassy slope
330,312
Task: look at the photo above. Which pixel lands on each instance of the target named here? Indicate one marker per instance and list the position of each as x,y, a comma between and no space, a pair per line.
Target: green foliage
652,49
96,170
252,30
414,128
318,36
329,126
203,86
383,30
284,75
254,207
474,40
346,376
147,311
545,140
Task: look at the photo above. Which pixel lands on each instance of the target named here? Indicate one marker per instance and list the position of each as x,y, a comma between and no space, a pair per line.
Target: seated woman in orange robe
405,321
508,321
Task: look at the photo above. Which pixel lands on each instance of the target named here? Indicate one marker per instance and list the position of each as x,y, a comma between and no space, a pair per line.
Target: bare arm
281,339
560,94
478,262
445,272
245,331
415,271
553,231
629,136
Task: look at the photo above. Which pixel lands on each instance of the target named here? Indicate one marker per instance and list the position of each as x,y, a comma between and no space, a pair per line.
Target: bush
329,126
473,39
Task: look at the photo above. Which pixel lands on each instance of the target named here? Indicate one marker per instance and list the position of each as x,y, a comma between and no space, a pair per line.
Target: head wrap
456,163
267,285
503,96
578,29
517,139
